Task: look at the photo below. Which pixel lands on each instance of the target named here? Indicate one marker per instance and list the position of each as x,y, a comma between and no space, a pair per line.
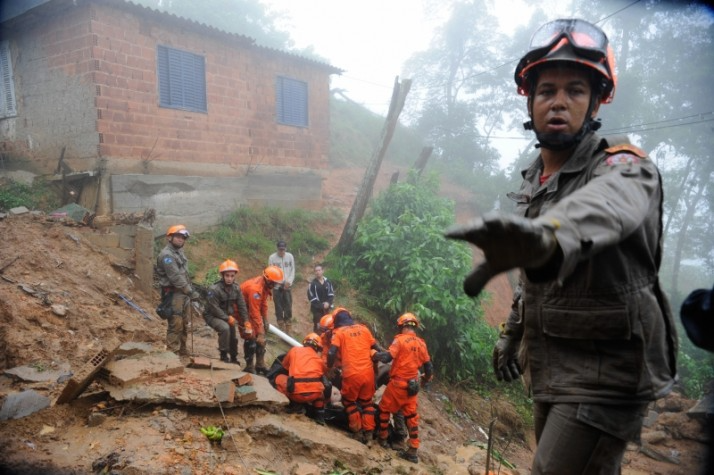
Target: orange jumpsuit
353,344
306,367
256,295
409,353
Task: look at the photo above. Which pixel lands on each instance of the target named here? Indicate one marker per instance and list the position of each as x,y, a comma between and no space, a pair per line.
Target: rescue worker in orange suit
225,308
408,355
352,342
590,325
175,283
304,381
256,292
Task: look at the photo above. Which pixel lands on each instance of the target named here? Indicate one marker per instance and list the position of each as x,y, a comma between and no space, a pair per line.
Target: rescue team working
589,324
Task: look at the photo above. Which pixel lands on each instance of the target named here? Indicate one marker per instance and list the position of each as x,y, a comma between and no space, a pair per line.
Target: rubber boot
224,356
234,359
320,416
260,367
249,351
410,455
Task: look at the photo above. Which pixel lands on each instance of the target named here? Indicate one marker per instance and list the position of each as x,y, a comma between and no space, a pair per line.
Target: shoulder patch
627,148
168,260
622,159
256,296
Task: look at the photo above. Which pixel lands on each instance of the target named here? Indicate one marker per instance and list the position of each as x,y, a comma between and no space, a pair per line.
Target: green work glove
508,242
505,357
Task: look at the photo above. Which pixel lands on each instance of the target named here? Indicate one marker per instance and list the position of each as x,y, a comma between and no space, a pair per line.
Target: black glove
382,356
505,357
507,242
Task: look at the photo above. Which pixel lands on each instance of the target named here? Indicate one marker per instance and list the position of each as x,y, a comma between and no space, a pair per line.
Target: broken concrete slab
18,210
133,348
33,374
18,405
196,387
143,367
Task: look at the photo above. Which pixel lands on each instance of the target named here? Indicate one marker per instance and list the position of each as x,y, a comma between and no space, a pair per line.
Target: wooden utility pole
399,96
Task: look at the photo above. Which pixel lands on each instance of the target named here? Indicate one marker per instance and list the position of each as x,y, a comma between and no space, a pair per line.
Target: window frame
8,100
291,102
181,79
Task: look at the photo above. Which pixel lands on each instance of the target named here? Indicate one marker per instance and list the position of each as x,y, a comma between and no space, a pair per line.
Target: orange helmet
574,41
313,340
228,265
327,322
407,320
178,229
274,274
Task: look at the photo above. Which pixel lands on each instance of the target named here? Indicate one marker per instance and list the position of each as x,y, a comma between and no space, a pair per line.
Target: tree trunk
399,96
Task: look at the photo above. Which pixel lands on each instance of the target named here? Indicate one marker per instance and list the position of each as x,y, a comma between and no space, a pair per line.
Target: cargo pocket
591,347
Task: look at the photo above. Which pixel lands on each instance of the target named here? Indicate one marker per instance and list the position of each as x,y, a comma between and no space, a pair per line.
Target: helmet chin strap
559,141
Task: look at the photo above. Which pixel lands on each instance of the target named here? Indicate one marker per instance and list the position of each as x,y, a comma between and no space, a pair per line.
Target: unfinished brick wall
52,67
240,126
86,80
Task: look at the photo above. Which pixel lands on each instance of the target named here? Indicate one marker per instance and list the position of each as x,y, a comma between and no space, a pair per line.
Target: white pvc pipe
283,336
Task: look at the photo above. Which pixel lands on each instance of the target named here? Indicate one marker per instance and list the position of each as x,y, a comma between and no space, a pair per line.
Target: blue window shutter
7,85
291,102
182,79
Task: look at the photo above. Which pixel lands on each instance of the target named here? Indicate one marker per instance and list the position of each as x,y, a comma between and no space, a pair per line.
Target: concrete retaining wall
202,202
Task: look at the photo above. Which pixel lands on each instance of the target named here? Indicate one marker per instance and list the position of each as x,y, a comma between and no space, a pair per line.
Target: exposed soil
45,263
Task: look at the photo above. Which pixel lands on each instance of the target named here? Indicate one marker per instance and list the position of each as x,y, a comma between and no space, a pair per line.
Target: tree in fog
665,61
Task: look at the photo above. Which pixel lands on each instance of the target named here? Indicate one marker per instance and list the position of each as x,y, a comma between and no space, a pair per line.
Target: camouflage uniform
172,269
597,331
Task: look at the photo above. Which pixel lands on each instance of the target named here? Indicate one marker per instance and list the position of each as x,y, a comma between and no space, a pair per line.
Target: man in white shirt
282,293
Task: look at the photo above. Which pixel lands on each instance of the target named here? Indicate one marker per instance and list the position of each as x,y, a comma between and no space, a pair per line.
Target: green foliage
39,195
254,232
694,365
401,260
355,132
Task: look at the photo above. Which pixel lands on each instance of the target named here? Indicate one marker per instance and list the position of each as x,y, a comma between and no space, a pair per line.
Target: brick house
149,110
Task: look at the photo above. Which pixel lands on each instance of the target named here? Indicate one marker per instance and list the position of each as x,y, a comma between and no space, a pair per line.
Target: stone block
245,394
225,392
243,380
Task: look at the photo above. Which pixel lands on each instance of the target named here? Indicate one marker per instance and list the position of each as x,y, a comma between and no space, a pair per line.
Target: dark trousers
283,299
568,445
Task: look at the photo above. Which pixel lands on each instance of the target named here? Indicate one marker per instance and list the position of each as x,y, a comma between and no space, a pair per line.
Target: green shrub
39,195
401,262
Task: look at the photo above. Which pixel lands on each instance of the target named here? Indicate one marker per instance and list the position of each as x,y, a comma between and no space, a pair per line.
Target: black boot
224,357
320,416
234,359
410,455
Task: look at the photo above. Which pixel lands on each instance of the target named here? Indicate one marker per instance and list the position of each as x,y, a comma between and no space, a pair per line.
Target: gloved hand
505,357
507,242
382,356
231,320
260,339
194,295
332,373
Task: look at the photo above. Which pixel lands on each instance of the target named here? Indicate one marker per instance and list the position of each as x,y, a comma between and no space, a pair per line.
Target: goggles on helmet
586,38
569,38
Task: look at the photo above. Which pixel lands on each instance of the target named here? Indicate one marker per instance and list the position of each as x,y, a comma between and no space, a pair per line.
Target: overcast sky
371,39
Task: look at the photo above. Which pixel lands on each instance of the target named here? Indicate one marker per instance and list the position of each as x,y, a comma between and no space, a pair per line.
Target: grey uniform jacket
222,302
172,269
595,323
